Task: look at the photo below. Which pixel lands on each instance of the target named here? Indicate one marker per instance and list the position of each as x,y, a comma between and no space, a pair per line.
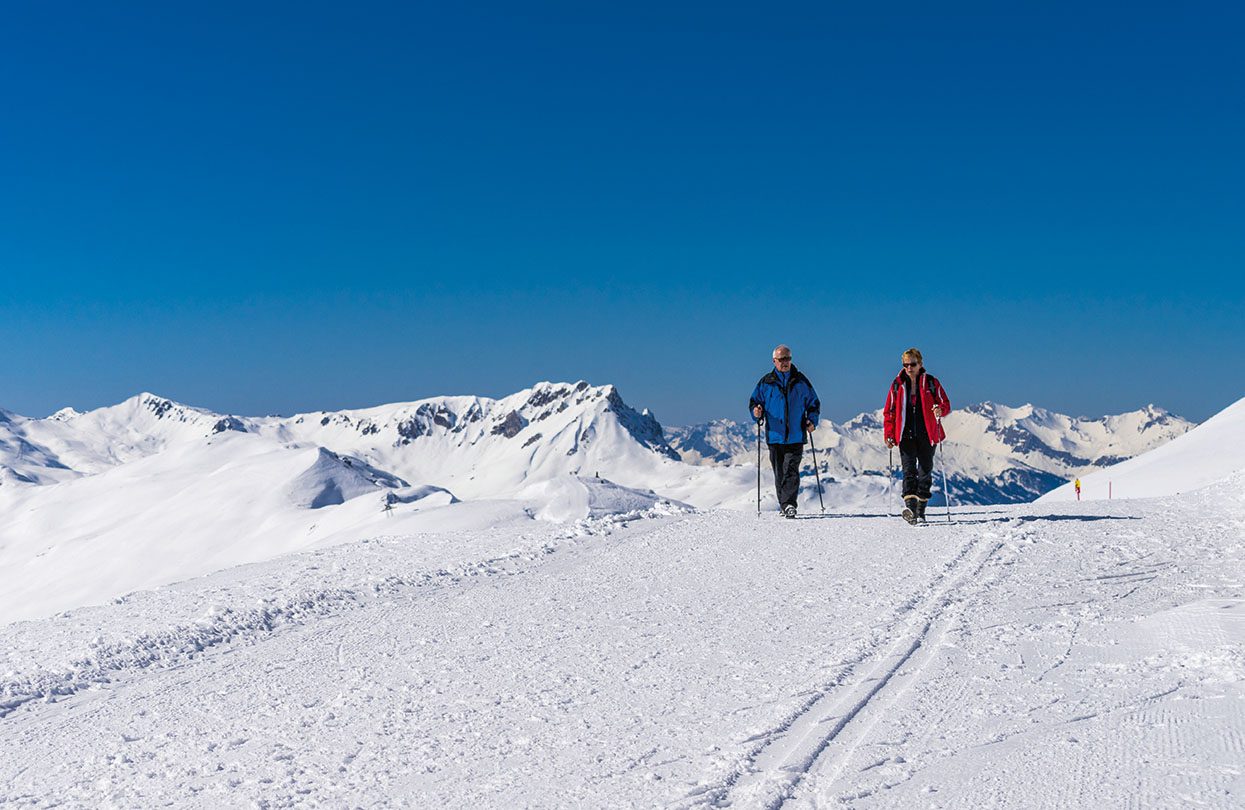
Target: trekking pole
946,493
890,481
758,468
816,472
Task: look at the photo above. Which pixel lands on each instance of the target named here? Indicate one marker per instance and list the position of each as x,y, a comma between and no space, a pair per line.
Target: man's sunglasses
782,359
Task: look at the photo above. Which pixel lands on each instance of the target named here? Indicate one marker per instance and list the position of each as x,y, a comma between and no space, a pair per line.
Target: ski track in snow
825,730
1081,657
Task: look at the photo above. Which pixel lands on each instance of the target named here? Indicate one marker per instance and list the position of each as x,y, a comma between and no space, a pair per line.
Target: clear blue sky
268,207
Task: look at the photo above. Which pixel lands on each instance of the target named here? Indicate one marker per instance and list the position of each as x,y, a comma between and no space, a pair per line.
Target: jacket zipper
786,408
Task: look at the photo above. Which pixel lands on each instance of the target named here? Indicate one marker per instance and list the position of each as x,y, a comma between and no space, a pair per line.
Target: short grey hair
780,348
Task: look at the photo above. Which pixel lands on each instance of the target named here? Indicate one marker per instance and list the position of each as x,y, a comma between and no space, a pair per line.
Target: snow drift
572,498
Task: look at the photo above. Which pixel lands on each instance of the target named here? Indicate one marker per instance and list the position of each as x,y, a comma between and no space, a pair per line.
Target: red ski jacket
896,407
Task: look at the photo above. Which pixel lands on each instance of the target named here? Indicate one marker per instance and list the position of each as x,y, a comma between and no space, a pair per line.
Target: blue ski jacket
786,403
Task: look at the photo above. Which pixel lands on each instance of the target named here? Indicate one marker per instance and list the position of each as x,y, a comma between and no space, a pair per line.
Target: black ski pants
785,459
917,456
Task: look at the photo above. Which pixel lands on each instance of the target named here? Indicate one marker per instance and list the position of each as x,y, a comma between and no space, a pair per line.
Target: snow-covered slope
1208,453
24,462
87,443
995,454
1086,656
195,508
148,492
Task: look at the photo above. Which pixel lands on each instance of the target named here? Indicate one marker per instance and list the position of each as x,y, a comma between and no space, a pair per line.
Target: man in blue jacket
786,401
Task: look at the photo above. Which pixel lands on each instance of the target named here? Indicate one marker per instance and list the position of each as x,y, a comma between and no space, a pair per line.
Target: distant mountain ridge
994,454
478,447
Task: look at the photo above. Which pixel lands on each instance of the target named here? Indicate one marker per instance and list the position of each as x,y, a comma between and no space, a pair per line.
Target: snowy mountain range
478,447
484,447
1207,454
994,454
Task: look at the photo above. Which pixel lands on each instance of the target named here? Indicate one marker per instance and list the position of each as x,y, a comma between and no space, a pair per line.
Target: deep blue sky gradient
273,207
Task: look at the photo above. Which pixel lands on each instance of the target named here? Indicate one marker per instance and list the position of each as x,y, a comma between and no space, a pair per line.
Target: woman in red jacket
911,417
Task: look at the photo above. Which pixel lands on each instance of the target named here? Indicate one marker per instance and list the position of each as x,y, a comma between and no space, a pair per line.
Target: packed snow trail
570,674
818,732
1074,655
1102,665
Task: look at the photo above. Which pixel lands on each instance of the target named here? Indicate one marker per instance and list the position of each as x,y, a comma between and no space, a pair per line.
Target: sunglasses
911,365
782,359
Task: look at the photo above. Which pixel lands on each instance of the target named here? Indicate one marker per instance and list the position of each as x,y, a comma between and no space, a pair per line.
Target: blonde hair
914,353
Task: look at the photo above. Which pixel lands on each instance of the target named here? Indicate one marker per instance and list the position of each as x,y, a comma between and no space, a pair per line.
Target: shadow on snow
973,518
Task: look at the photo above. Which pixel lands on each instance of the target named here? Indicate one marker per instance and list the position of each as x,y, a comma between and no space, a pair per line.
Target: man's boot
911,507
920,509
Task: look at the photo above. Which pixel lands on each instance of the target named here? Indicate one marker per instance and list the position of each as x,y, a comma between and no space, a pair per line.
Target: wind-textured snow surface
1048,655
